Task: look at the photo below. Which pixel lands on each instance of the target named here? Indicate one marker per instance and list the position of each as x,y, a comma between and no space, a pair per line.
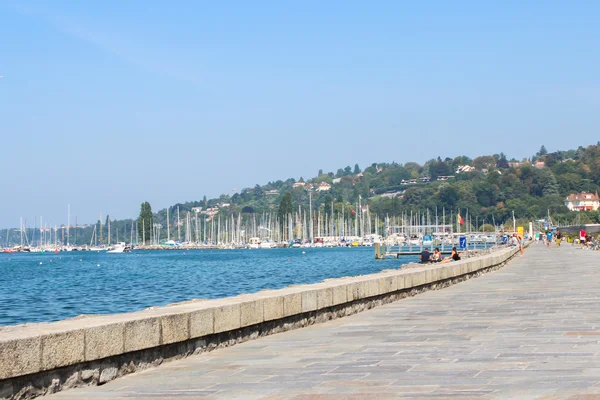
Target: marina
300,229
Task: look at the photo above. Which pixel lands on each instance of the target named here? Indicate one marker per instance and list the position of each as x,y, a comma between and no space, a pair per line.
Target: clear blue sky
107,104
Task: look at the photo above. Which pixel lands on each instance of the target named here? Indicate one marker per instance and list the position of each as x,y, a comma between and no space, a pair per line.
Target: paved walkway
529,330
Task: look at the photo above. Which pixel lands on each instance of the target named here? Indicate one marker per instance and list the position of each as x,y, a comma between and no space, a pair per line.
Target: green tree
484,162
356,169
328,201
145,222
487,228
542,151
286,207
448,196
439,168
258,193
502,162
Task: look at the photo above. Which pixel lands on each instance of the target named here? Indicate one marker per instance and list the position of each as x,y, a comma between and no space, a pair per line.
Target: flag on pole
461,220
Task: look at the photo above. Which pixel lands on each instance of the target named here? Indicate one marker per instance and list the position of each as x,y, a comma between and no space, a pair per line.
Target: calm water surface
50,287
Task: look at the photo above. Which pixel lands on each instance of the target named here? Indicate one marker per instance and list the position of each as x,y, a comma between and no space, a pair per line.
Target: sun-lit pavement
529,330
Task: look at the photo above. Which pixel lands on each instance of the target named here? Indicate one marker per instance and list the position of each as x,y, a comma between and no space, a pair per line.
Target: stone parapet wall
36,359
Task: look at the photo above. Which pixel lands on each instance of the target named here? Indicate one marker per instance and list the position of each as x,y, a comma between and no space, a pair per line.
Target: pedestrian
549,238
558,237
582,235
544,238
521,244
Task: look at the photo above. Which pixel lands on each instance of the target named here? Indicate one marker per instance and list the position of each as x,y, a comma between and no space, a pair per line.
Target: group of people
549,237
436,256
586,240
552,236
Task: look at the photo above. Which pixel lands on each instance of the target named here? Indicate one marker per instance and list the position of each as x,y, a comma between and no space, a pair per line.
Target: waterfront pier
528,330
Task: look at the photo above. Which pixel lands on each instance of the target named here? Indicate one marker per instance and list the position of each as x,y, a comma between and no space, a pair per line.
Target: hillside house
323,187
298,184
583,201
464,168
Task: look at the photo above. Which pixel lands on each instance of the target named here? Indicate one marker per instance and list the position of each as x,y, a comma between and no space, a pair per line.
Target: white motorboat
266,244
119,248
254,243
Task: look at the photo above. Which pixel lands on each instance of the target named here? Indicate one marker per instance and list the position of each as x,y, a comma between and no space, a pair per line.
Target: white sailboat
95,247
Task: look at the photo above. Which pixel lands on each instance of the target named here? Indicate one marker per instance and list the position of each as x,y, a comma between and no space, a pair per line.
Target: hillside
490,188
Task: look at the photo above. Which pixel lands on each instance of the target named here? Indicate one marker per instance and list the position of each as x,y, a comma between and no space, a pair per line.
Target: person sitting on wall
437,256
514,241
453,257
425,256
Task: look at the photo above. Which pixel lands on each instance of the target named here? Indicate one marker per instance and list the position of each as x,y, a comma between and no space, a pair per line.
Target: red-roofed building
583,201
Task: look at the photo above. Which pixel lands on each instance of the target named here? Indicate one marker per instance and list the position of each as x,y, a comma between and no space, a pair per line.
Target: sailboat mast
178,227
310,218
168,227
100,229
68,221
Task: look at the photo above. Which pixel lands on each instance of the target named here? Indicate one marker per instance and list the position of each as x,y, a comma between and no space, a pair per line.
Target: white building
582,201
323,187
464,168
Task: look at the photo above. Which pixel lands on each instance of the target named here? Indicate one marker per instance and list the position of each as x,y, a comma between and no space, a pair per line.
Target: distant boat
119,248
266,244
254,243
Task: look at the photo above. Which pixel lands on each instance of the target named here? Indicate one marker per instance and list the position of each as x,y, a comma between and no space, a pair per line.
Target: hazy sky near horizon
104,105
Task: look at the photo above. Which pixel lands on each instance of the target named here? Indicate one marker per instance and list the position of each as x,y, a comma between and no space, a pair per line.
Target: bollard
379,251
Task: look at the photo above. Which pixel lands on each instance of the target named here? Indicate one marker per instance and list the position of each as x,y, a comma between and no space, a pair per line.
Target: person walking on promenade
544,238
582,236
549,238
558,238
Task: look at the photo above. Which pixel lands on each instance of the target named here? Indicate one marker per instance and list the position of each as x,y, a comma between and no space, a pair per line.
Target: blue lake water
68,284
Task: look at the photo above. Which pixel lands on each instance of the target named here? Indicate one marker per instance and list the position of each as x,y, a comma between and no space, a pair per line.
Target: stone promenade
528,331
